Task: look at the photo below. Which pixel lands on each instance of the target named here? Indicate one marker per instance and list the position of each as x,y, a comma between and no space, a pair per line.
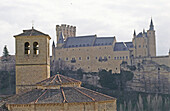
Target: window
115,58
66,58
88,58
100,59
79,58
120,57
96,57
27,48
139,46
35,48
105,58
73,60
126,57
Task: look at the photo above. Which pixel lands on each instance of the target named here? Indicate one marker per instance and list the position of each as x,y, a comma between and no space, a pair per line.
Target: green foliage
132,68
115,81
5,52
7,82
149,102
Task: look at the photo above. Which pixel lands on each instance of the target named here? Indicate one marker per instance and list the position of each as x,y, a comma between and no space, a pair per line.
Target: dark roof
86,41
31,32
81,41
140,35
104,41
61,38
129,45
62,95
120,46
57,80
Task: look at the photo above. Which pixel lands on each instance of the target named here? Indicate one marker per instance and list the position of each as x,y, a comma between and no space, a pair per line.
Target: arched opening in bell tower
35,48
27,48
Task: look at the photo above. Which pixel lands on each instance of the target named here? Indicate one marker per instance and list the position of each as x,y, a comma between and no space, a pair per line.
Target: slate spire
151,25
53,44
61,38
134,34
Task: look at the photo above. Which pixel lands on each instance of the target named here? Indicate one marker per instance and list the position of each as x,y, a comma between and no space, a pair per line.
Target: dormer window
27,48
36,48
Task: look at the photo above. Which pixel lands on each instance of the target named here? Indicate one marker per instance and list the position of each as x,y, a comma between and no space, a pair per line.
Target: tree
5,53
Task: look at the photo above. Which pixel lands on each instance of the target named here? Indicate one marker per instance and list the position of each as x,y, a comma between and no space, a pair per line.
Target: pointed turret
151,25
60,41
61,38
134,34
53,44
143,31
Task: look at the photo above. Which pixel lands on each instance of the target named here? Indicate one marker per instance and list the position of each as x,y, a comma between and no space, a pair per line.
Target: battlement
67,30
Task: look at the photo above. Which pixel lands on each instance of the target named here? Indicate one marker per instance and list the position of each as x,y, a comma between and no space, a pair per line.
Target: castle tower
60,41
32,59
67,30
151,44
134,42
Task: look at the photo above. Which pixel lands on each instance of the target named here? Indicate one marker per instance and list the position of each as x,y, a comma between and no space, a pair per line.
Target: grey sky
102,17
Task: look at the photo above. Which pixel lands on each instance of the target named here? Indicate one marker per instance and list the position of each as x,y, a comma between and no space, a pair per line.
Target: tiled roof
62,95
31,32
82,41
57,80
129,44
120,46
104,41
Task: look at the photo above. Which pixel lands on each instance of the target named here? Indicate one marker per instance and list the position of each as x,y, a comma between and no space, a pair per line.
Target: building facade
92,53
32,59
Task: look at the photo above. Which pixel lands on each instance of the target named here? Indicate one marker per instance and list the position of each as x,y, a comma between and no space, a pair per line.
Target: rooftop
31,32
66,94
58,80
62,95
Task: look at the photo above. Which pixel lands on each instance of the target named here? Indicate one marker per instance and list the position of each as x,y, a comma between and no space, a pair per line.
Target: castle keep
92,53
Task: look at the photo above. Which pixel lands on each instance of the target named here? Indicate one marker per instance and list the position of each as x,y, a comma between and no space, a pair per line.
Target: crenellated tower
67,30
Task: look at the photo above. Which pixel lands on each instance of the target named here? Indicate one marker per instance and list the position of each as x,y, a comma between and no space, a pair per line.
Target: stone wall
91,59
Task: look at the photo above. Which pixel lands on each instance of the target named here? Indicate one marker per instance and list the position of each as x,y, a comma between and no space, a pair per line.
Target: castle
37,91
91,53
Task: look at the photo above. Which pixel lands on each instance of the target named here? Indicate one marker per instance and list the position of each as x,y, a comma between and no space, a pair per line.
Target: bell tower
32,59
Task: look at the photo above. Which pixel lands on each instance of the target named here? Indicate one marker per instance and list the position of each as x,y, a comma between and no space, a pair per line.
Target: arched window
27,48
35,48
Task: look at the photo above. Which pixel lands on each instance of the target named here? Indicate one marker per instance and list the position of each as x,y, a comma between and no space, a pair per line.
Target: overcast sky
106,18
